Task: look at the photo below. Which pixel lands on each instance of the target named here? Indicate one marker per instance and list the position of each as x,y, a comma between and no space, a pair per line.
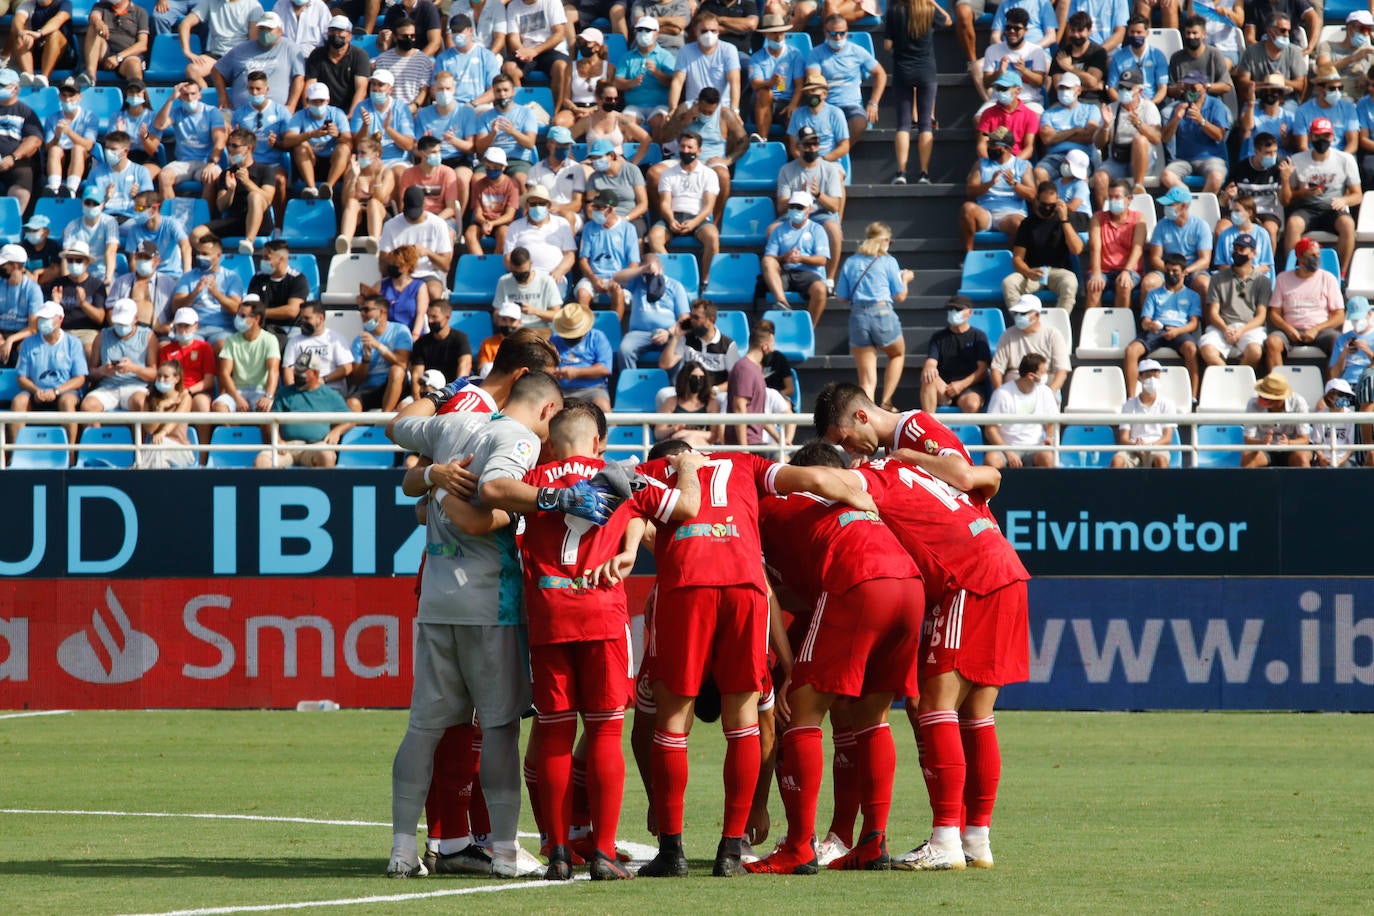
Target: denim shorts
873,325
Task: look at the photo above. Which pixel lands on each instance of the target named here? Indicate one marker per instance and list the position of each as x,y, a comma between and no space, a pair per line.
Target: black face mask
1239,260
405,43
1269,98
1312,264
654,287
1321,145
612,105
687,158
814,101
502,104
697,383
1078,42
1172,280
505,330
810,155
1192,44
521,276
1045,209
391,270
337,41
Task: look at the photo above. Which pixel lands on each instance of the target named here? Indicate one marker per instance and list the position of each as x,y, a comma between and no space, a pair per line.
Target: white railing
270,424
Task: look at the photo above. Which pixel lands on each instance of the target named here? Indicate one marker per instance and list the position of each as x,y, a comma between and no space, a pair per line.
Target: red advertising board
208,643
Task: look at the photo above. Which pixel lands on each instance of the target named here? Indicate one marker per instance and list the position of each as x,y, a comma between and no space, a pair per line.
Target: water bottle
1116,340
316,706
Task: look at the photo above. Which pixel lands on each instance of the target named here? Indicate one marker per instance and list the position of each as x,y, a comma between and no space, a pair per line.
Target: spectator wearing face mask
194,355
1086,57
1136,54
1258,178
282,287
691,394
81,295
1198,127
533,290
1328,101
336,359
1274,396
1197,55
1181,233
1010,112
1025,394
20,299
1265,114
706,62
1026,58
167,236
317,139
1154,432
118,179
1170,316
1042,249
249,363
444,348
1028,334
1129,136
1331,441
505,320
42,249
609,246
957,364
1116,247
99,231
51,369
340,66
1352,354
412,67
1274,54
776,71
69,134
268,53
1236,309
1321,192
1067,126
1306,308
471,64
122,360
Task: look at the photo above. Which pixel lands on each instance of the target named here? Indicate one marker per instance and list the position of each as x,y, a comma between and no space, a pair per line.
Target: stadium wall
1153,590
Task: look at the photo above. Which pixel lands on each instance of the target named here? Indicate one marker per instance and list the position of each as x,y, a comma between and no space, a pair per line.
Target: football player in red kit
712,617
861,642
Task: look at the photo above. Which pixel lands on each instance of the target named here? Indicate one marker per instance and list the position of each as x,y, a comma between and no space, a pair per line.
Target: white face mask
707,40
1067,97
1023,320
1149,385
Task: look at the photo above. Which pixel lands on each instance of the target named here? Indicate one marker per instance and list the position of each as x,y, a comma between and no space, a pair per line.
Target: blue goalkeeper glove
581,500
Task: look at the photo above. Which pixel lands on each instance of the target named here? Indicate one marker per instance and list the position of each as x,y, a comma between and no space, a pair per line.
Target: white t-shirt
431,233
1332,175
1125,130
688,188
1323,434
570,179
1009,399
1032,57
328,345
1148,432
535,22
546,243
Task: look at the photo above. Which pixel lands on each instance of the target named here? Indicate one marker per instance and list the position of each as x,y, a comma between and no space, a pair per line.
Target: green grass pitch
1135,813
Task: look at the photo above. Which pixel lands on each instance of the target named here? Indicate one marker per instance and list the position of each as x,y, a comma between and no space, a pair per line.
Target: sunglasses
837,34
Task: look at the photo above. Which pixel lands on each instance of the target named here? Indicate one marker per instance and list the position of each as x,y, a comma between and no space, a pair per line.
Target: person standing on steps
910,27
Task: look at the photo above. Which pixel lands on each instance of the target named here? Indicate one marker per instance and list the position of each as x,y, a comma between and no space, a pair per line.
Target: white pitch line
28,715
199,816
355,901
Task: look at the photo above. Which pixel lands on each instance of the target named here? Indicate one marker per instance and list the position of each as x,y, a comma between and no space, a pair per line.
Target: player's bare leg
759,823
642,746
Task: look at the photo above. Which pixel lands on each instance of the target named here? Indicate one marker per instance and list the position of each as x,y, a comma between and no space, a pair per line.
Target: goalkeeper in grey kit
470,653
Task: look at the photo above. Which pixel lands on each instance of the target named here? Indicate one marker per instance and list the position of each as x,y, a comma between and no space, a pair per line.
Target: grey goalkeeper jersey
470,580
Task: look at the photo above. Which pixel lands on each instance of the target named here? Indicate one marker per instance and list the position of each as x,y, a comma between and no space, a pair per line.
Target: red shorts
986,638
587,676
864,640
717,630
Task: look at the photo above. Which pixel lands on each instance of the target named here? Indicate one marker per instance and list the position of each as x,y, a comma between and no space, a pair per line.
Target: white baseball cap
384,76
49,309
13,254
342,23
592,36
495,154
647,22
1078,164
124,311
508,309
1149,365
1335,384
1027,304
186,315
802,198
270,20
1363,17
317,90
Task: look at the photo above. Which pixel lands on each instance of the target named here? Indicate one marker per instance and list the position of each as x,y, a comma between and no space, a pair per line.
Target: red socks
803,761
670,779
845,774
942,762
877,768
605,775
984,758
548,774
477,802
742,759
446,805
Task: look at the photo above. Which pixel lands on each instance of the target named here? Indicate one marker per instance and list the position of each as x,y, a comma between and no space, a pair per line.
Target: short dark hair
274,245
667,448
1044,186
689,135
460,23
577,410
442,305
428,141
707,306
524,349
710,95
1194,22
1018,16
837,401
212,240
118,137
1078,21
819,453
257,76
501,78
535,387
1138,19
1031,362
519,255
402,23
257,307
1175,259
245,136
1265,139
762,328
379,302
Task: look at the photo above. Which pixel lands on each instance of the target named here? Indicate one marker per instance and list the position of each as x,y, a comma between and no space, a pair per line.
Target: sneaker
574,855
899,178
605,868
930,856
343,245
923,178
470,860
519,864
246,246
84,80
310,193
560,865
670,862
746,852
786,861
977,852
831,849
39,81
869,855
728,862
400,868
756,137
25,80
370,245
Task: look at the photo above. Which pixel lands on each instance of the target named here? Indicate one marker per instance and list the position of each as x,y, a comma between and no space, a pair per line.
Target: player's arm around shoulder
827,483
688,502
475,521
955,471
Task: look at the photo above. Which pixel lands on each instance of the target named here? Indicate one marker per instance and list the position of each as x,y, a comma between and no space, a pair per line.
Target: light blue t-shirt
594,349
828,121
845,70
282,63
120,187
113,348
1075,189
808,239
1264,248
272,118
212,315
394,337
100,236
859,282
1002,197
50,365
85,122
1191,144
1172,309
650,93
788,68
17,303
193,132
660,314
462,120
1189,240
134,124
523,120
1356,362
303,122
705,70
1075,118
1108,16
1042,18
1280,125
1152,66
609,250
472,71
401,122
167,237
1343,116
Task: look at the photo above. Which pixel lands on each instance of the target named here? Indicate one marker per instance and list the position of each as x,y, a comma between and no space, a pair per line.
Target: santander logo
116,655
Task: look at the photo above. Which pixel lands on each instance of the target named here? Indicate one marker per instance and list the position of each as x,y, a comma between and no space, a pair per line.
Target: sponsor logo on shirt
581,582
719,531
444,550
858,515
978,526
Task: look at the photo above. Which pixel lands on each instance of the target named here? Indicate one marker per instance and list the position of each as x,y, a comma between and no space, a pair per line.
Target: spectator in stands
429,32
412,67
309,395
117,37
241,196
1327,102
249,363
166,235
445,348
548,238
706,62
1259,178
1351,54
530,288
872,283
1026,393
317,135
1265,114
69,134
1028,334
646,71
824,181
266,58
305,23
228,23
336,360
957,362
122,360
584,356
1237,307
1136,54
472,65
453,126
704,343
98,231
212,289
118,179
1026,58
386,119
340,67
428,233
43,29
998,187
493,203
1108,19
1009,112
1149,403
1072,185
1306,308
81,295
505,320
406,295
671,19
1353,352
368,189
592,73
1179,233
535,40
509,127
692,394
738,21
609,246
1116,246
166,394
136,119
657,302
1043,24
1042,250
1198,127
846,65
1197,56
51,369
1170,316
687,193
612,173
910,28
776,72
722,140
440,183
746,391
195,357
1130,135
381,357
606,121
799,249
825,120
20,299
1304,15
268,121
200,137
562,176
1242,221
1068,125
1322,188
1275,54
1083,56
1332,441
1275,396
281,287
43,250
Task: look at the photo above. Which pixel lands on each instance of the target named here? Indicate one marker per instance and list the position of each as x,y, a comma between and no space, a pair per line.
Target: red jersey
471,399
920,432
197,360
559,550
720,546
953,540
815,545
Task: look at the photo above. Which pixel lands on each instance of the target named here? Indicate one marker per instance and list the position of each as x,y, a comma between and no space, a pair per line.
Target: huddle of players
857,554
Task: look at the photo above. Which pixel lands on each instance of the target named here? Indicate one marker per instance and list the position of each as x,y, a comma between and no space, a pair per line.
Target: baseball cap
508,309
537,192
1027,304
49,309
13,254
433,379
1195,77
1177,195
1131,77
1070,79
77,249
1001,136
91,192
1306,247
495,155
1321,126
146,250
1363,17
37,221
801,198
69,86
1356,307
1335,384
600,147
1149,365
592,36
309,359
9,77
808,133
647,22
317,90
1078,164
124,311
384,76
608,198
1244,240
560,135
269,20
1007,79
342,24
413,202
186,315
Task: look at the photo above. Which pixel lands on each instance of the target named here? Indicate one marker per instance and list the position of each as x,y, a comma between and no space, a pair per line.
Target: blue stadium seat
81,13
1071,436
535,95
189,211
801,40
309,223
242,264
11,220
745,222
107,435
756,172
734,325
157,95
9,385
234,435
366,435
795,337
105,102
1331,261
616,48
970,434
52,458
475,278
733,278
636,388
368,43
309,268
608,322
1335,11
991,322
983,273
652,156
624,442
796,392
682,268
862,39
476,324
59,210
43,101
1219,435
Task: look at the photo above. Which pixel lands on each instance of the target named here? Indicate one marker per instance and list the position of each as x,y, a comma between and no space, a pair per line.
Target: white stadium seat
346,271
1169,41
1307,381
1364,226
1206,208
347,323
1144,204
1175,385
1057,318
1096,389
1095,336
1226,388
1361,279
